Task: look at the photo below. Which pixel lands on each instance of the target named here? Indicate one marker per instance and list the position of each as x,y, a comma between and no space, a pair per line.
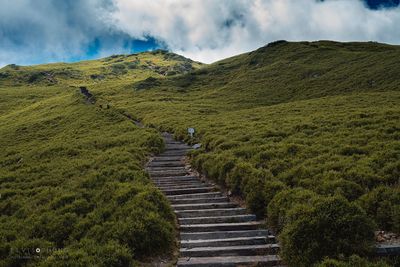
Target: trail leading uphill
213,230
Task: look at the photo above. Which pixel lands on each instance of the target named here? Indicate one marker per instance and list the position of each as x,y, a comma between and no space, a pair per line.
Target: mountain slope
71,172
133,67
319,118
283,72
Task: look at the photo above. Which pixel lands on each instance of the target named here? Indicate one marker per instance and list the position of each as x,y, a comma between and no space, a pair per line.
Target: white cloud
205,30
51,30
208,30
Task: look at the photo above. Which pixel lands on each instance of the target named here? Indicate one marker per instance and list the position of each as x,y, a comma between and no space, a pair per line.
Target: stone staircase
213,230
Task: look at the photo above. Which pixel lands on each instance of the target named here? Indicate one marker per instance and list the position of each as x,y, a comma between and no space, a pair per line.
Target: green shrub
22,251
383,205
330,227
282,202
272,187
352,261
74,184
239,175
89,253
350,190
255,196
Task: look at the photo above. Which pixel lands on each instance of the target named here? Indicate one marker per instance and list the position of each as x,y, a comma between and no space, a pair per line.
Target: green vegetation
353,261
331,226
72,178
293,128
72,182
319,118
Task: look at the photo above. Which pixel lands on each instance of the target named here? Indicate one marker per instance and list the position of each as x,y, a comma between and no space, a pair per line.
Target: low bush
383,205
282,202
73,185
350,190
331,227
352,261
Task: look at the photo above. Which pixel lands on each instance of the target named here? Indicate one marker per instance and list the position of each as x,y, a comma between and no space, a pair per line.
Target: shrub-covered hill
133,67
73,185
322,117
305,132
72,181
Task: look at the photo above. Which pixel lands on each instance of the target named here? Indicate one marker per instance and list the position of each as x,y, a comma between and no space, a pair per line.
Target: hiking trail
214,231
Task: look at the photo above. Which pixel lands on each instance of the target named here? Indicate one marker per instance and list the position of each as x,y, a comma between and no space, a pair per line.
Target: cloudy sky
40,31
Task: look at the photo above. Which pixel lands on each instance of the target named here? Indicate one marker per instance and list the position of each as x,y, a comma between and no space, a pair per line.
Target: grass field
321,118
72,178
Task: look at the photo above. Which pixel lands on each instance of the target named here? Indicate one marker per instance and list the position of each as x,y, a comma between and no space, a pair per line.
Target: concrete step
266,249
165,182
172,142
200,200
192,228
174,153
173,187
173,183
225,234
178,183
163,168
229,261
203,206
167,173
199,195
166,164
210,212
214,232
167,158
180,178
191,190
181,146
218,219
237,241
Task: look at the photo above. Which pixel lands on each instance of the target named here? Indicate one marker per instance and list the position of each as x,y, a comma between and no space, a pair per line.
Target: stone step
192,228
167,158
225,234
178,183
210,212
163,168
229,261
166,164
203,206
237,241
218,219
175,178
266,249
174,153
172,142
167,173
199,195
200,200
181,146
214,232
174,182
191,190
173,187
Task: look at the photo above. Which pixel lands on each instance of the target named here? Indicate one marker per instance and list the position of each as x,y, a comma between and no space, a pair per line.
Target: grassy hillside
134,67
71,172
290,127
321,116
